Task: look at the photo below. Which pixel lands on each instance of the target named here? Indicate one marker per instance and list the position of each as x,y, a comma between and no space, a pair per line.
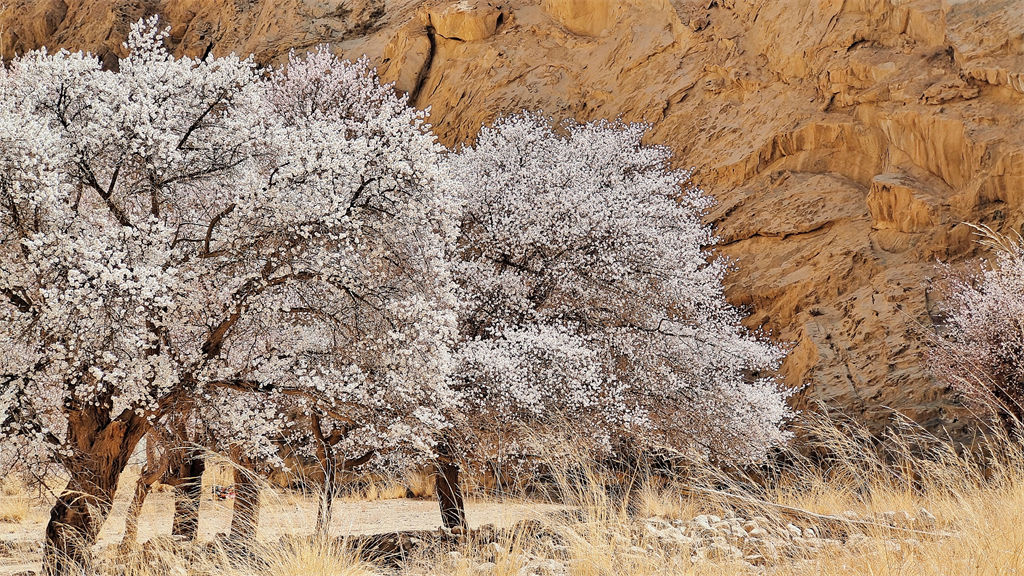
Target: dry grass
976,497
287,557
303,557
420,483
15,502
848,493
415,483
374,489
219,471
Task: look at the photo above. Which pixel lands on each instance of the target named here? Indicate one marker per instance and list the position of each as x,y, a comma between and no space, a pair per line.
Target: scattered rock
758,533
899,519
543,567
494,550
912,545
925,519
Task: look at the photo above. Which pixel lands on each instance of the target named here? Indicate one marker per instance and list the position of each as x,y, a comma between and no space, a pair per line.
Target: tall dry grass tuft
373,489
975,493
15,501
303,557
420,482
284,557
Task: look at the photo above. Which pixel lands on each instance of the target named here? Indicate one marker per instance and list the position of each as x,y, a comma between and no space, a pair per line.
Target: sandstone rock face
466,21
896,202
847,141
585,17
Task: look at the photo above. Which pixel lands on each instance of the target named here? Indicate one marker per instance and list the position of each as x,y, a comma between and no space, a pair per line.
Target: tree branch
105,195
19,301
215,340
209,230
247,385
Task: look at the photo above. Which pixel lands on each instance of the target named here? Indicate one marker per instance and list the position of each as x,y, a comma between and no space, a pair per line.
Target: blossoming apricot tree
982,353
272,255
191,230
595,304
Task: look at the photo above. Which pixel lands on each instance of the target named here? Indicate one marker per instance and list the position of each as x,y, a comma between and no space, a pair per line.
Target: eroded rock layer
847,141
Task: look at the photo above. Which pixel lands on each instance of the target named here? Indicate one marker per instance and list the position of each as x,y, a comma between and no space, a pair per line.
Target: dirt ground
281,514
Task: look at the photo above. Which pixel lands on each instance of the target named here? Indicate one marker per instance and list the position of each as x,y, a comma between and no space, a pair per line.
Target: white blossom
594,302
981,353
197,235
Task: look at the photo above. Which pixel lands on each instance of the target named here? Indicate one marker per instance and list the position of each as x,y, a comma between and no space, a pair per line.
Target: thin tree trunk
325,453
131,519
325,507
245,515
104,449
449,491
155,468
187,496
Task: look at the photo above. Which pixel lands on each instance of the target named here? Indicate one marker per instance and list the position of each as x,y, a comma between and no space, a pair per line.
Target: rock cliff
847,141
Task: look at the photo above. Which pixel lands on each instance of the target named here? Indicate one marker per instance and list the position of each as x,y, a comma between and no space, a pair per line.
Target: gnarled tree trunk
102,450
449,491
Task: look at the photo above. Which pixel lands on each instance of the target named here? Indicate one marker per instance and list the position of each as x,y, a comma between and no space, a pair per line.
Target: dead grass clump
296,556
907,504
15,501
420,483
372,489
305,557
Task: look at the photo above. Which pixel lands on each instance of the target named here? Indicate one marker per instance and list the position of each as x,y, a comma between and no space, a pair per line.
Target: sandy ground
281,514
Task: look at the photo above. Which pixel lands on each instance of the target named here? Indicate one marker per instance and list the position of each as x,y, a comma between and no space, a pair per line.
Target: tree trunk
131,519
325,507
151,473
74,522
102,452
245,515
325,453
187,496
449,492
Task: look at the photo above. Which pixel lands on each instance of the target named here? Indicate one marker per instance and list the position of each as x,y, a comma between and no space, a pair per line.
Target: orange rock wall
847,141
